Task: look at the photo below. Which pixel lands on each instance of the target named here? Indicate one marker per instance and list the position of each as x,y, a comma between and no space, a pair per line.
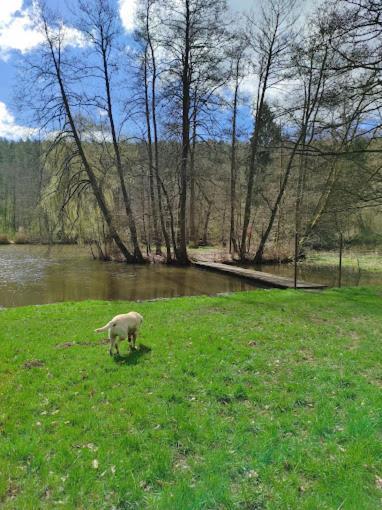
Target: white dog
122,327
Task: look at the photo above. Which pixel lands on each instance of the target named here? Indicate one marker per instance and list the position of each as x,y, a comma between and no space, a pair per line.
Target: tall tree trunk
170,213
232,233
156,141
322,203
143,199
193,230
206,221
254,143
264,238
126,198
89,171
151,160
300,190
182,248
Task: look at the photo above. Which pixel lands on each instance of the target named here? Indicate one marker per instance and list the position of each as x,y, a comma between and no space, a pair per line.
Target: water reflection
48,274
43,274
327,275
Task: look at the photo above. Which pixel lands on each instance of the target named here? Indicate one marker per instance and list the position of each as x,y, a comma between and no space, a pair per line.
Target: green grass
351,259
258,400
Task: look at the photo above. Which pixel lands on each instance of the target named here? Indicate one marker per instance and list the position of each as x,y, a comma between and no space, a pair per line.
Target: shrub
4,239
21,238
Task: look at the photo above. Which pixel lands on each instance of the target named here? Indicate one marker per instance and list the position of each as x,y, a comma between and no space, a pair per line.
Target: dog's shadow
132,357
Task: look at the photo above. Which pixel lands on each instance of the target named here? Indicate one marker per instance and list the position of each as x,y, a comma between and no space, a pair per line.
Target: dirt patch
66,345
215,309
181,464
355,341
104,341
34,363
319,320
211,255
373,378
12,490
210,310
305,356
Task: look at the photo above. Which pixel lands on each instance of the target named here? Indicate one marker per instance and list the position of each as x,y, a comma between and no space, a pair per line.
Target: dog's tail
104,328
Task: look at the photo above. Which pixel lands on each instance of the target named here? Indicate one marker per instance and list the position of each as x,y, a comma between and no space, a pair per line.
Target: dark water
41,274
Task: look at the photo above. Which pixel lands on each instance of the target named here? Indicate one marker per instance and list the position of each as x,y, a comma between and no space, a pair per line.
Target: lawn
257,400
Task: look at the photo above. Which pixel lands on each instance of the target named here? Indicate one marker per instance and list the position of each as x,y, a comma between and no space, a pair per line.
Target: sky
17,37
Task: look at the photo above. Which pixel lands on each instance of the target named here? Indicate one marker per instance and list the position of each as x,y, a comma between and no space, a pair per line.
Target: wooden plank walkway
272,280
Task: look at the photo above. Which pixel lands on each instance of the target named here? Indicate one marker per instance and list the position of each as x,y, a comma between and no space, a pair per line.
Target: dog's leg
112,344
129,337
134,339
117,348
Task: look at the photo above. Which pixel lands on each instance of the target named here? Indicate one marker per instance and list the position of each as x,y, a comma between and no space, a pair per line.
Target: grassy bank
351,259
260,400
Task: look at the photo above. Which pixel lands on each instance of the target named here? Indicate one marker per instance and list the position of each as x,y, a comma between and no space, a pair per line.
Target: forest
243,132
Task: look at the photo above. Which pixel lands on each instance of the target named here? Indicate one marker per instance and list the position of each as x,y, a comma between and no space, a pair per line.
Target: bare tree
236,55
270,41
99,24
145,34
356,32
313,87
191,40
51,71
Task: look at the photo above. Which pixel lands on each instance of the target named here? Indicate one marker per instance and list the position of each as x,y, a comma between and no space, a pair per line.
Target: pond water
49,274
327,275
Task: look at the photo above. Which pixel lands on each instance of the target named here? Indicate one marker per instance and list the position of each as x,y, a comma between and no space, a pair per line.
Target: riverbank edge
377,289
357,260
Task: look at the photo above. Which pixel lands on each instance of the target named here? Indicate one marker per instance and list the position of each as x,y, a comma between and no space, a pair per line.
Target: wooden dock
268,279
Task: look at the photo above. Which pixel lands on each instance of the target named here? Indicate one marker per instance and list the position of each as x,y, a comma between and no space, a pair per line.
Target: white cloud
72,37
127,11
9,128
304,6
18,32
8,9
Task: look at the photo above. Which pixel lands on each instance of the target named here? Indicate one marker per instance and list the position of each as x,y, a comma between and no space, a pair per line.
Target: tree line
157,146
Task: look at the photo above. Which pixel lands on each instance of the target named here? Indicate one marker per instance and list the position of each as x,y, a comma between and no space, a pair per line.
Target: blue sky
18,37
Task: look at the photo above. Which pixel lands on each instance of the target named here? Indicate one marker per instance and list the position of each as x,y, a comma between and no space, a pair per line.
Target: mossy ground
257,400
